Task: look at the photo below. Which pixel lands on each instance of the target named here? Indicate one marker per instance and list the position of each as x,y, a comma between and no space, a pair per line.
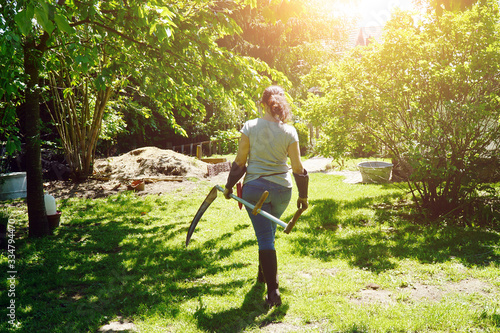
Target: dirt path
323,164
317,164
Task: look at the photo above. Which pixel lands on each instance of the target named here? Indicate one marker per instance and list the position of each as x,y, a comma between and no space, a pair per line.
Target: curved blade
208,200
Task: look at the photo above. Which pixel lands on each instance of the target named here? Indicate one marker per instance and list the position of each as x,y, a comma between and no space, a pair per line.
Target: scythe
256,209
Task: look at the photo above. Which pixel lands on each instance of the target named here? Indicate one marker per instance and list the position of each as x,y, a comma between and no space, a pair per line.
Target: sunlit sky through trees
369,12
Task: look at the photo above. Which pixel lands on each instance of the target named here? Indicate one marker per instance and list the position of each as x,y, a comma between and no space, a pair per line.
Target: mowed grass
357,261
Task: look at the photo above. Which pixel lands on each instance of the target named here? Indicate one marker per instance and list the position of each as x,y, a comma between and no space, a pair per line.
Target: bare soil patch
419,292
120,325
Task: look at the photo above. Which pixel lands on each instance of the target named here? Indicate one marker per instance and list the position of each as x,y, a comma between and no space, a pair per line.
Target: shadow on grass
240,318
97,268
379,246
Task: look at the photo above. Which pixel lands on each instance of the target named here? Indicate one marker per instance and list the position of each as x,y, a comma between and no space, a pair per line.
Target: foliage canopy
429,94
81,49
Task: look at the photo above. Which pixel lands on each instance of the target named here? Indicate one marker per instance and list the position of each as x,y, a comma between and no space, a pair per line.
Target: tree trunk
78,125
29,115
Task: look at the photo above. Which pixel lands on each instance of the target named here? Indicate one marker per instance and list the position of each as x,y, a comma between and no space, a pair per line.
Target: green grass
124,257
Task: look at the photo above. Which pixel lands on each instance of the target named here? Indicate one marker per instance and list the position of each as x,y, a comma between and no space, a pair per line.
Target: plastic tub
375,172
12,185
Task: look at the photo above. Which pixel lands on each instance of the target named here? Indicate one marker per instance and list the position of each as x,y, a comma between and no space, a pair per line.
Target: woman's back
269,142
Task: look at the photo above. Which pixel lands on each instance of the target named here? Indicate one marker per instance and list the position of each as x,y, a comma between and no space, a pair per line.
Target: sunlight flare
367,12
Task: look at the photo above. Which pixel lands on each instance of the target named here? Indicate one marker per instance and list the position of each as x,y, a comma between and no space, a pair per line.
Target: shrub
429,93
303,132
227,140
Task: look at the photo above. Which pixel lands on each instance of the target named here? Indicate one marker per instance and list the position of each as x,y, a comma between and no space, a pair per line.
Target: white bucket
375,172
50,204
12,185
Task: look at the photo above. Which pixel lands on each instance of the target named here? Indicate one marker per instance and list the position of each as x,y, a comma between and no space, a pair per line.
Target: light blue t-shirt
268,154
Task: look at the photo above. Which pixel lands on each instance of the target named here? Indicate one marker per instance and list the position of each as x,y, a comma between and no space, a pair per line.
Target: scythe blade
208,201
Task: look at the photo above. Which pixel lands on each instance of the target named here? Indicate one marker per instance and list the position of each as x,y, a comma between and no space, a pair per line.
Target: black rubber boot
269,264
260,274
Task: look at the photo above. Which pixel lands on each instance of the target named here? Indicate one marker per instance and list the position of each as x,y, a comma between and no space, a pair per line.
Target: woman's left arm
294,154
300,175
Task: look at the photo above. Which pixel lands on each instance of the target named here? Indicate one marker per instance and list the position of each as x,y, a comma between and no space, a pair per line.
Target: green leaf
165,12
63,24
42,17
140,12
167,16
23,21
67,91
13,145
152,28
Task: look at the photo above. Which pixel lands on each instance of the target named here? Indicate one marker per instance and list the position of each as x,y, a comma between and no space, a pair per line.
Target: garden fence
208,148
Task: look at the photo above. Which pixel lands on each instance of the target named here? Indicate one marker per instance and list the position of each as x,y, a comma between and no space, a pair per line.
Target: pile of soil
163,171
150,162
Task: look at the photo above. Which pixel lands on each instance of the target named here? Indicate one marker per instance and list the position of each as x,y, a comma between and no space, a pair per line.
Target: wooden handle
259,204
239,193
250,206
292,222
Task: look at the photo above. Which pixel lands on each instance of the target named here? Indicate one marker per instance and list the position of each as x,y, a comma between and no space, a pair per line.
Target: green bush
303,132
428,94
227,140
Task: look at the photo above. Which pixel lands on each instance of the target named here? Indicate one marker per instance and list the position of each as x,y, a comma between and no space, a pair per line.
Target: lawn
358,260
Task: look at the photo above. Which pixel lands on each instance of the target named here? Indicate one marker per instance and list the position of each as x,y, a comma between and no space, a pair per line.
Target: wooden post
199,153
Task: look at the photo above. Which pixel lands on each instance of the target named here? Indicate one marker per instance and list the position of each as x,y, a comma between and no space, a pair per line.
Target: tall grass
357,261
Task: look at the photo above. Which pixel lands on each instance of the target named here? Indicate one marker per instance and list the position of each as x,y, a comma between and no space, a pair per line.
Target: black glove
235,174
302,182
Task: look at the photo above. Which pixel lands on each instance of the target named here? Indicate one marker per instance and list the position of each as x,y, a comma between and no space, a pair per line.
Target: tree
287,35
10,86
168,47
291,36
448,5
33,42
103,52
430,94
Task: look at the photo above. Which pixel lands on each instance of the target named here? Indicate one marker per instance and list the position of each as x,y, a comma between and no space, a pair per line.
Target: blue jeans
275,204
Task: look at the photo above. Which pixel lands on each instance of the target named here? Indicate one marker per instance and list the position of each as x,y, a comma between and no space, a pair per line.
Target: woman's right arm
238,168
243,150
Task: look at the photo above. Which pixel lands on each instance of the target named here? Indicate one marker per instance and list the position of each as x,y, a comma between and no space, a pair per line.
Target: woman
266,143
